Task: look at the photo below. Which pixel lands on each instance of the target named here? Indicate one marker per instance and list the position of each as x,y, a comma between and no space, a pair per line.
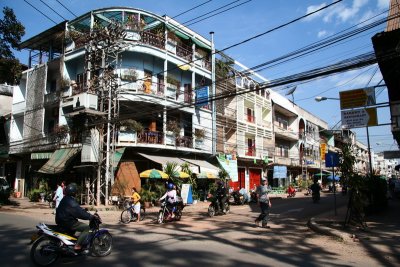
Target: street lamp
323,98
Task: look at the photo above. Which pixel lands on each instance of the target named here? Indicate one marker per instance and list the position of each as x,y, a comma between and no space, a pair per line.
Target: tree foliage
11,32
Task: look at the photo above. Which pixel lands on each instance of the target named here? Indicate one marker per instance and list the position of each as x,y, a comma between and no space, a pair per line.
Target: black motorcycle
238,198
213,208
171,212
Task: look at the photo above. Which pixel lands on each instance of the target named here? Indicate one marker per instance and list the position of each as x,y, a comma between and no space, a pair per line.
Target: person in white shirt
59,194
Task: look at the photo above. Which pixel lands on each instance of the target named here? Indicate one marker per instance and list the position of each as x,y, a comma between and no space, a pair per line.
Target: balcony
250,118
150,137
152,39
184,141
51,98
251,152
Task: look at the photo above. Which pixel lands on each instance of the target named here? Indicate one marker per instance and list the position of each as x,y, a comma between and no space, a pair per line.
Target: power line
66,8
40,11
53,9
184,12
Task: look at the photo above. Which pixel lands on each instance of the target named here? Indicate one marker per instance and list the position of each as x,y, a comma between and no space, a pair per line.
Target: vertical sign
323,151
202,97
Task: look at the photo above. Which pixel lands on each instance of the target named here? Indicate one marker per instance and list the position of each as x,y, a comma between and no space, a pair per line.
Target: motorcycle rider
171,197
68,213
221,196
315,188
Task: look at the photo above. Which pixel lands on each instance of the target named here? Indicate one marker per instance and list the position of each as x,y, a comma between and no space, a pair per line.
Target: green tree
11,32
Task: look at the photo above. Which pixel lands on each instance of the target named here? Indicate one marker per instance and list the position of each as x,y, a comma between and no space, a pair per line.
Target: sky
234,21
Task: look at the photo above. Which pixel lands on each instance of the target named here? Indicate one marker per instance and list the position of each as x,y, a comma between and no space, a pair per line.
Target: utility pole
101,57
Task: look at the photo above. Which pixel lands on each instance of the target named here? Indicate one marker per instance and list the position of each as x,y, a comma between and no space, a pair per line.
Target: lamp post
323,98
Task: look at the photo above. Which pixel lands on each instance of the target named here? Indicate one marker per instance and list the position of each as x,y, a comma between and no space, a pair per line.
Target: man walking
264,202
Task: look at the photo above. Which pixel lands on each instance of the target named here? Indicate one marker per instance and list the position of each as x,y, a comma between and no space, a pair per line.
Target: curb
317,227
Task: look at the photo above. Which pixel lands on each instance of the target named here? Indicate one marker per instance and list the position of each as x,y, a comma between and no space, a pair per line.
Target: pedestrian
264,202
58,195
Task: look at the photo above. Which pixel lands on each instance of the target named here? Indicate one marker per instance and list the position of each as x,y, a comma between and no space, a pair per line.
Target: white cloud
311,9
383,4
322,33
340,11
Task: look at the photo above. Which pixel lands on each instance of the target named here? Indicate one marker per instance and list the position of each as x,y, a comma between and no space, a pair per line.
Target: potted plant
64,83
199,134
147,197
133,125
174,128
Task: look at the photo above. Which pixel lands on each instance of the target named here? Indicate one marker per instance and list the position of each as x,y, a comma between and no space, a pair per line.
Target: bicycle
128,214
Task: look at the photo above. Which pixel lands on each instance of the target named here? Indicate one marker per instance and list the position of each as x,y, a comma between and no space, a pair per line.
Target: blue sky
252,17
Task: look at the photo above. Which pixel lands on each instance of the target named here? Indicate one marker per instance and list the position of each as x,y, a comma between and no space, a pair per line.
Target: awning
206,169
117,155
177,32
41,155
59,160
163,160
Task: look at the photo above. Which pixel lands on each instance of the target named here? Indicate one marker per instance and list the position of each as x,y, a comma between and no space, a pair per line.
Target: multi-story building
7,164
384,167
112,81
362,160
244,123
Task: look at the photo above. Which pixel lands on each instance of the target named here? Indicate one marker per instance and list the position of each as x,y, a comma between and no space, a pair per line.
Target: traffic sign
357,98
331,159
359,118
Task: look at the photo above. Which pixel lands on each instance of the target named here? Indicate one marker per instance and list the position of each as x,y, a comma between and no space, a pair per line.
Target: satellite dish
291,90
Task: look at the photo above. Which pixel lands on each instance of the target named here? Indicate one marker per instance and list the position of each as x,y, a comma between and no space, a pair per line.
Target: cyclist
171,197
136,202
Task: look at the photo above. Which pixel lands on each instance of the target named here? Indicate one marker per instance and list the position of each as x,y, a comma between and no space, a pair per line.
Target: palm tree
171,169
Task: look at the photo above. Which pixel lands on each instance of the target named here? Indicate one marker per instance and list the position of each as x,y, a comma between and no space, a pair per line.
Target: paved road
230,240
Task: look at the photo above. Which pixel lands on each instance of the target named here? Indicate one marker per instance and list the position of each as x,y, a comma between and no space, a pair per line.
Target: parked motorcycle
51,242
238,198
166,211
49,198
213,207
291,192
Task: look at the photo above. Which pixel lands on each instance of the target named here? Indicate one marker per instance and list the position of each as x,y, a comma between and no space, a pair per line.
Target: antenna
291,91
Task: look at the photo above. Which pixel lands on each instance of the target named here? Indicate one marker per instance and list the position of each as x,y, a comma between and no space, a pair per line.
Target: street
198,240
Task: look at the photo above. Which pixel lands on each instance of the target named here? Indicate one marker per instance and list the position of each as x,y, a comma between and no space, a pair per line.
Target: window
188,93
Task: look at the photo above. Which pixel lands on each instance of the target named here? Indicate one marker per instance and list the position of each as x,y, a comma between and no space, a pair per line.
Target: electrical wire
53,10
40,11
66,8
191,9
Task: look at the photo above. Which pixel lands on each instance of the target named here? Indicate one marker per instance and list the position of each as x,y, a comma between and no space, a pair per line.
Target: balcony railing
150,137
250,118
251,152
184,141
152,39
184,52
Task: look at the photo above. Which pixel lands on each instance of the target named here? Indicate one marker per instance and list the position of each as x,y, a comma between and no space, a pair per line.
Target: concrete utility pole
214,109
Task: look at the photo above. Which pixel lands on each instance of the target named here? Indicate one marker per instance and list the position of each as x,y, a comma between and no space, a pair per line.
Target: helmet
71,189
170,186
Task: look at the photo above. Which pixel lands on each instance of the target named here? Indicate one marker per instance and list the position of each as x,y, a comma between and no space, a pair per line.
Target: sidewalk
383,227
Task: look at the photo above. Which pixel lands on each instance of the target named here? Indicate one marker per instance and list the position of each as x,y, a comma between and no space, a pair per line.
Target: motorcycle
51,242
291,192
213,207
238,198
49,198
165,213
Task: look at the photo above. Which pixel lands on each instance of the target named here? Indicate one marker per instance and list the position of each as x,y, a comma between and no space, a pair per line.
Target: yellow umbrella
206,175
153,173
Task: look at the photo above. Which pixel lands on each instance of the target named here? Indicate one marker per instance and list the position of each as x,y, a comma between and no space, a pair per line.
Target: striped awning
59,160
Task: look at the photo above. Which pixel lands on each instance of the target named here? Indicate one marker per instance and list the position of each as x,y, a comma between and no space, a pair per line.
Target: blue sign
331,159
280,172
202,96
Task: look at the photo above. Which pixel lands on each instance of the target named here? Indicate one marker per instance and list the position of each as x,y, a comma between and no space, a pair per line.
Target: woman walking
264,202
